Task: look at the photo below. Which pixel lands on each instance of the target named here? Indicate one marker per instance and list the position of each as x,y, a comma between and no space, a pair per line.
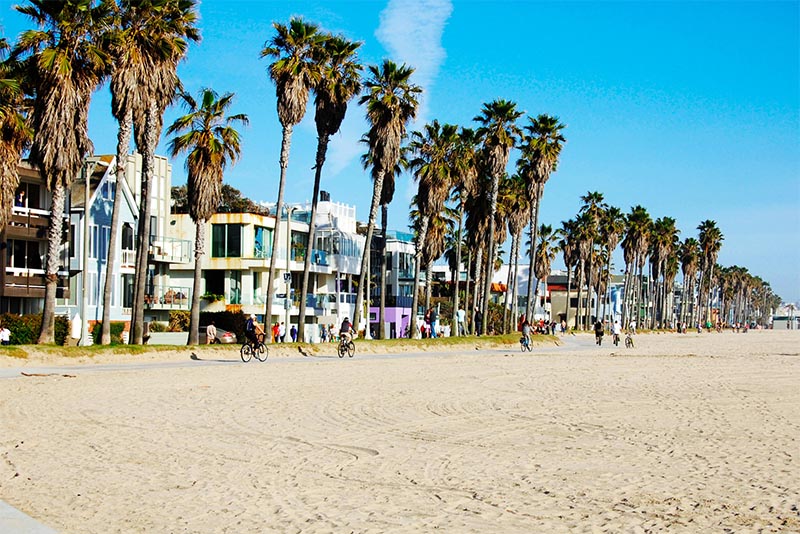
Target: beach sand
684,433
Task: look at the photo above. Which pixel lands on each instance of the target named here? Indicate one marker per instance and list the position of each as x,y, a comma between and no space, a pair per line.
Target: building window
127,236
226,241
127,290
262,246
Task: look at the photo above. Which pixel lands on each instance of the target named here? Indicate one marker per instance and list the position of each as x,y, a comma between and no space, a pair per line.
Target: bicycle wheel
351,349
528,346
628,342
342,350
262,353
246,352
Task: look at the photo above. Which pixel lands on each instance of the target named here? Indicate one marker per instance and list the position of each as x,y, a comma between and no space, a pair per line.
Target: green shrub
25,328
117,327
211,297
179,321
157,326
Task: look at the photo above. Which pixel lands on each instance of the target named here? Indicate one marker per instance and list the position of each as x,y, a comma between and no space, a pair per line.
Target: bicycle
258,348
615,339
346,346
525,344
628,341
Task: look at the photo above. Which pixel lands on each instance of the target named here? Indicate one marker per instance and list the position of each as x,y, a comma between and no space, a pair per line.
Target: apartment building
399,283
23,247
91,231
239,251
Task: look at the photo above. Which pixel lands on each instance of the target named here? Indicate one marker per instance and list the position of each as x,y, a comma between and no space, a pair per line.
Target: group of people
430,324
331,334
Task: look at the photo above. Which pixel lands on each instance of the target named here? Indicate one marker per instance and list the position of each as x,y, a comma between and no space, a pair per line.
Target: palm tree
295,71
66,65
498,132
545,254
15,134
463,183
512,202
139,32
612,224
207,134
689,255
339,82
634,247
541,150
593,206
569,250
710,238
431,162
663,244
157,88
391,101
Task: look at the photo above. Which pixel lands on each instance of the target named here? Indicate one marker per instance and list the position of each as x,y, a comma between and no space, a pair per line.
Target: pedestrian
322,333
275,331
478,322
5,335
293,333
211,333
434,322
461,318
598,332
282,332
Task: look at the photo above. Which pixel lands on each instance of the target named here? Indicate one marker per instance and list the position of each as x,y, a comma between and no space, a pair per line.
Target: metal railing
167,297
170,250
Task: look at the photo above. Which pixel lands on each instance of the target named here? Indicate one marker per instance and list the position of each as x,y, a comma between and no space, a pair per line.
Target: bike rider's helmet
252,315
347,319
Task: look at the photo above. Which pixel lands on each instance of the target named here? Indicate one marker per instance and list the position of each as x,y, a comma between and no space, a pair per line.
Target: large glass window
226,240
127,290
262,246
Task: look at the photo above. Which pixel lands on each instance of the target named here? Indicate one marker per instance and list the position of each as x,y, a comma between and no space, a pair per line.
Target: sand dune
693,433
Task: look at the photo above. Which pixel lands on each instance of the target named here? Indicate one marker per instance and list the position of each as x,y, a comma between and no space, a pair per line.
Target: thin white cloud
411,31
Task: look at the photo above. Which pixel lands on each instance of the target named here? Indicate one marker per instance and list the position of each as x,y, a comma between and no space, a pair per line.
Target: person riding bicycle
251,329
598,332
616,329
346,331
526,331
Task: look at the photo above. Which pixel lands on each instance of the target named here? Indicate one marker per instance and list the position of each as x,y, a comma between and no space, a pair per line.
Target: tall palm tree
612,225
541,151
513,202
689,255
710,238
208,136
339,82
463,184
391,102
15,134
431,152
593,207
66,65
569,250
545,253
297,49
663,244
141,28
634,247
158,87
499,133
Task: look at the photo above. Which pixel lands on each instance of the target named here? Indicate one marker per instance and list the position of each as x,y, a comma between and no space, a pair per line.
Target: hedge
117,328
25,328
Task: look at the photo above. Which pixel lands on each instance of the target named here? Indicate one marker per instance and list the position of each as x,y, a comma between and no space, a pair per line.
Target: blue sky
690,109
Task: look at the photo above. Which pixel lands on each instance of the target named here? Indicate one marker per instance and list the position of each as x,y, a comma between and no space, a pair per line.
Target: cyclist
346,331
598,332
616,330
526,331
251,330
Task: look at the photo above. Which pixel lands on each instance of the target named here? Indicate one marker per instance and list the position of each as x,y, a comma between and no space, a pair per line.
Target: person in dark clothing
478,322
598,332
250,330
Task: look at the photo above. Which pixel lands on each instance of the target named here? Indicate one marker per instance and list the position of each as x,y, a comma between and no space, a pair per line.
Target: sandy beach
684,433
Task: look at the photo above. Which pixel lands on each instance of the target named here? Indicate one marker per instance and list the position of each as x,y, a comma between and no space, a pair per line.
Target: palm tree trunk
579,312
509,280
199,251
487,290
322,149
123,144
143,240
476,287
412,320
468,306
54,239
514,292
429,285
457,284
530,306
607,298
569,291
364,277
382,310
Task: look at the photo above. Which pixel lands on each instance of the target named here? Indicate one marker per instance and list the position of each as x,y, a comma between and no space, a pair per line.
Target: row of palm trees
465,196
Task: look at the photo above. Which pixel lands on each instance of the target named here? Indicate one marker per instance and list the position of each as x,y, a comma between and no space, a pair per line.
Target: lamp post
87,169
288,277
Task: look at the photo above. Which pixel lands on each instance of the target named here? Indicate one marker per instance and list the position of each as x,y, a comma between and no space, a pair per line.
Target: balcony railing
28,223
392,301
31,283
167,298
128,259
170,250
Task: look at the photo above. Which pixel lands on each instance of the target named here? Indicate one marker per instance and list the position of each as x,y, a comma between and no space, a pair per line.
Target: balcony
170,250
128,259
392,301
167,298
28,223
30,283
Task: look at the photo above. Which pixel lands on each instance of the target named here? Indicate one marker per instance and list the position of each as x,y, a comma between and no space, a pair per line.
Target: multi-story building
399,283
89,246
239,250
23,247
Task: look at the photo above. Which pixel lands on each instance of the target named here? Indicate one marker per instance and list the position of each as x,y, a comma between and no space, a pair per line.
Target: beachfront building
399,283
23,247
239,249
91,230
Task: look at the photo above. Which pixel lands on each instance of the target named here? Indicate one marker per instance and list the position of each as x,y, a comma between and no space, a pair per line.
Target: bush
157,326
25,328
179,321
117,327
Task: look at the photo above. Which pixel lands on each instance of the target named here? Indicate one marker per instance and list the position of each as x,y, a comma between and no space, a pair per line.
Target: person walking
598,332
434,323
478,321
461,318
293,333
5,336
211,334
282,332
